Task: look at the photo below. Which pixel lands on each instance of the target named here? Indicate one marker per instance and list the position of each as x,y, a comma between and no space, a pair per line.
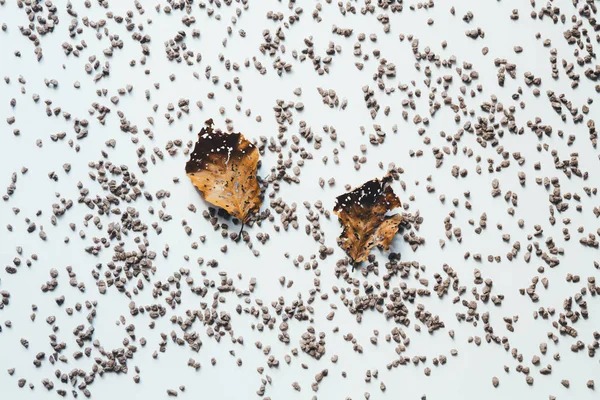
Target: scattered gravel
492,156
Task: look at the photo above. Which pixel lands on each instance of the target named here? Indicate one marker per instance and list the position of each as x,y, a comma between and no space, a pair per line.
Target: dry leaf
223,167
362,213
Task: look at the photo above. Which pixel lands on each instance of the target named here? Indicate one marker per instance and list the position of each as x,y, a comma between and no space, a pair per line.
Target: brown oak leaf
362,212
223,167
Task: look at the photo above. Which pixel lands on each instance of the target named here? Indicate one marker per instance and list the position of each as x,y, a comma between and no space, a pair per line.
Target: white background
467,376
